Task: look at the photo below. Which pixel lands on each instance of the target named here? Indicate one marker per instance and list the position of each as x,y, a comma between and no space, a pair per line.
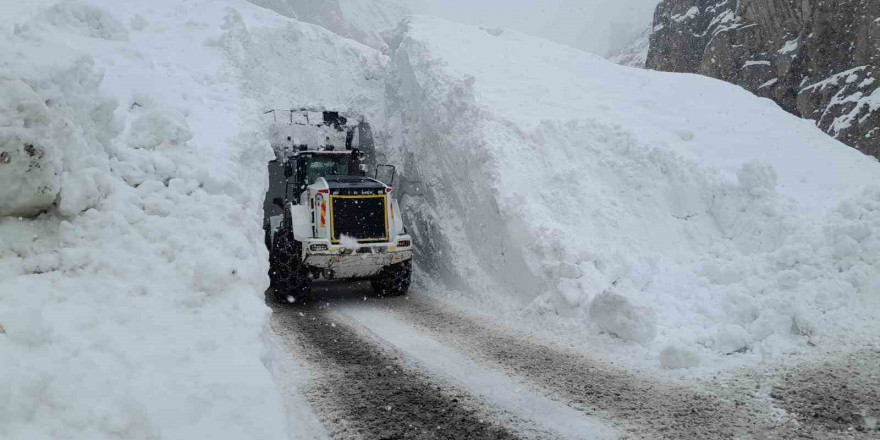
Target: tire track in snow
363,391
645,408
641,407
830,401
840,395
291,378
492,386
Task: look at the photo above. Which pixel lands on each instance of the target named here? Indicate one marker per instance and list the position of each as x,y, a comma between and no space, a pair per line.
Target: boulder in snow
30,163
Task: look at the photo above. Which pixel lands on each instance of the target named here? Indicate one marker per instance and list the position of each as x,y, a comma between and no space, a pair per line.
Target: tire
267,234
289,277
393,280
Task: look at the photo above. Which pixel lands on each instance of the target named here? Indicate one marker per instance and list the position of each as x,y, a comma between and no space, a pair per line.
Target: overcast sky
597,26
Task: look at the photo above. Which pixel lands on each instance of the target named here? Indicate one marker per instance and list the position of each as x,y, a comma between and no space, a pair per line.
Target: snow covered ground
670,220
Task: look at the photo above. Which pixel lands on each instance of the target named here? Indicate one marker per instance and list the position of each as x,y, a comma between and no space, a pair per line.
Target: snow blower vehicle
325,218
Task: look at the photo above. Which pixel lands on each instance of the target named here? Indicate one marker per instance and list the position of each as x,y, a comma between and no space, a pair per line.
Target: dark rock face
818,59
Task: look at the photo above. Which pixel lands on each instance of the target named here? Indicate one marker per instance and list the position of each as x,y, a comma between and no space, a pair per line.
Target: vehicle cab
335,221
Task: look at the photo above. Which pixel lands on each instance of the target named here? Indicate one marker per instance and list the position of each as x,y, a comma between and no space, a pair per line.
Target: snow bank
668,210
131,295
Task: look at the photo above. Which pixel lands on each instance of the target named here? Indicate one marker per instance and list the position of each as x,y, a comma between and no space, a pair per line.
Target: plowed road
413,367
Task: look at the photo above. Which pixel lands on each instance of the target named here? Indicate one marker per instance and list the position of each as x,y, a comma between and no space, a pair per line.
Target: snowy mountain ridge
634,54
816,59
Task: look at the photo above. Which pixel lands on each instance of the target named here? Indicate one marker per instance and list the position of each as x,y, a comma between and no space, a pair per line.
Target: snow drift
131,261
667,210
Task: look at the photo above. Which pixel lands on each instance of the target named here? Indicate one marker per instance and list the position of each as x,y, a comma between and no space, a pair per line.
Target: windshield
325,165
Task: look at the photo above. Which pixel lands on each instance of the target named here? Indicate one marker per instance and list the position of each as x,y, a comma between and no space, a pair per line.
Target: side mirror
279,202
388,169
288,169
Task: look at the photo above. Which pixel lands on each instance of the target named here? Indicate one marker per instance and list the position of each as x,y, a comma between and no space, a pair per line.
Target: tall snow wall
131,299
670,211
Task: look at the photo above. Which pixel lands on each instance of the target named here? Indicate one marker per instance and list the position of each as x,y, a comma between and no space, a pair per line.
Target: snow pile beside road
673,211
131,295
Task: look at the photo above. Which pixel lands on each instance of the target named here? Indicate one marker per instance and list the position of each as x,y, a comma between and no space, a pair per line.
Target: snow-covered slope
675,211
360,20
536,177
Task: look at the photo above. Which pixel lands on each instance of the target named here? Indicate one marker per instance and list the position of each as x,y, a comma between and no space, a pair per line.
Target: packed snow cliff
675,212
132,267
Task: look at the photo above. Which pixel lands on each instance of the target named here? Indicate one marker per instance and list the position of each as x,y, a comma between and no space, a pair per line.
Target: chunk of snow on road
675,357
618,317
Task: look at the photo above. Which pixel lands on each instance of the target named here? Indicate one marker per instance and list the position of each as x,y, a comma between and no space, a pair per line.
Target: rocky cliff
818,59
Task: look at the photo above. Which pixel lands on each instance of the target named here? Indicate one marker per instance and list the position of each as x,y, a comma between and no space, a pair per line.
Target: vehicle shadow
326,294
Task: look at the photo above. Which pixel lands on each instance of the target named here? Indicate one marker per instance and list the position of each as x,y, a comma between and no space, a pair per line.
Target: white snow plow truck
324,216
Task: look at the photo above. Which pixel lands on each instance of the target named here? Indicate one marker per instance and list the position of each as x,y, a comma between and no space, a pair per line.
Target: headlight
318,247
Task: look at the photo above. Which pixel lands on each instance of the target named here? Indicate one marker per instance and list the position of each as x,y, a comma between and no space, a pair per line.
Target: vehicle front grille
361,217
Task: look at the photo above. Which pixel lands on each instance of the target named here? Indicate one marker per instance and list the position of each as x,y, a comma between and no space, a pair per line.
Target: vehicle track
824,401
364,391
842,395
650,409
644,408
